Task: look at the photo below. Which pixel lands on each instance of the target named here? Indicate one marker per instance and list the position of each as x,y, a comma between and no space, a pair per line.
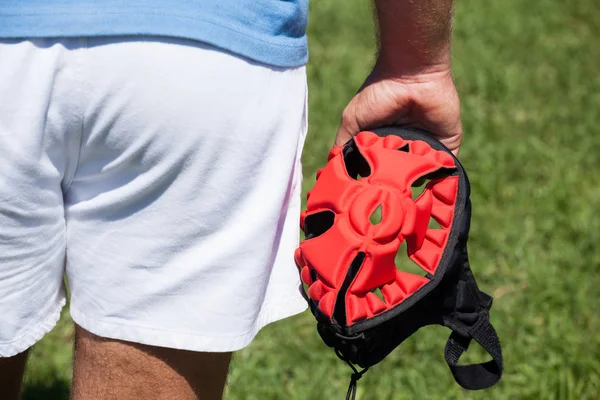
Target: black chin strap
475,376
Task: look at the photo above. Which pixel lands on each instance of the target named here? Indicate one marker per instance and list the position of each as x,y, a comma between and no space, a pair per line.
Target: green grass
529,76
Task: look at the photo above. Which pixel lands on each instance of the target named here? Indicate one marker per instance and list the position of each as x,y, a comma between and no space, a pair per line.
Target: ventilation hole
376,216
441,173
339,312
405,264
419,185
318,223
404,148
433,224
378,293
356,164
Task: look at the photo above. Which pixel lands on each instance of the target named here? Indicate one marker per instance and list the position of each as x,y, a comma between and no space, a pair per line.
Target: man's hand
428,101
411,83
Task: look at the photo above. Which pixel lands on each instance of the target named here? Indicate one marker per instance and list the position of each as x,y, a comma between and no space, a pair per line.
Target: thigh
113,369
11,375
183,213
35,124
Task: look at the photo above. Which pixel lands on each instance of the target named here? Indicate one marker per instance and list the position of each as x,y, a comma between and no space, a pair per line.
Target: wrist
394,63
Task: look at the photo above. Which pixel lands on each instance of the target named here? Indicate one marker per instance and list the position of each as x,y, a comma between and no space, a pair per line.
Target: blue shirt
268,31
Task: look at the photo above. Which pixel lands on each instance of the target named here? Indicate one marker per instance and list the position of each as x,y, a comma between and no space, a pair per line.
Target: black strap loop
475,376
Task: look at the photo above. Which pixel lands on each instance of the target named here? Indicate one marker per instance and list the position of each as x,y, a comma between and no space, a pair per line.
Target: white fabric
166,173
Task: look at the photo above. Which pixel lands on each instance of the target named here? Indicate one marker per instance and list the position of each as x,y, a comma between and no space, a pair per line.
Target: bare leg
113,369
11,375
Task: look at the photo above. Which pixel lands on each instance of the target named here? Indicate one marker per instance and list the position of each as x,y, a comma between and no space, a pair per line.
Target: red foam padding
409,283
327,302
445,190
424,204
375,304
305,276
355,309
317,290
332,253
437,236
427,257
353,202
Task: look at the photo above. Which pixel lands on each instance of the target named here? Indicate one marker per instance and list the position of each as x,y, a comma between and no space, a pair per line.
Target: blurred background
528,73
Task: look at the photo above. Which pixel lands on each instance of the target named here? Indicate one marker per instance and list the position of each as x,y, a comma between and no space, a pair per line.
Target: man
152,151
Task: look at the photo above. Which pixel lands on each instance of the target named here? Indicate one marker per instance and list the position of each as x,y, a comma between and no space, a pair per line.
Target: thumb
377,104
348,125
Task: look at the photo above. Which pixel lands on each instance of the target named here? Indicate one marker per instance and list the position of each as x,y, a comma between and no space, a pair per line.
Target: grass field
529,76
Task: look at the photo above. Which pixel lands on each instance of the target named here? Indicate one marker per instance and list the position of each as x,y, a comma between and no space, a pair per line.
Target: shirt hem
278,51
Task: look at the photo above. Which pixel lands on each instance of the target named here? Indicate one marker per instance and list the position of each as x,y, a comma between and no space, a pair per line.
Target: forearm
414,35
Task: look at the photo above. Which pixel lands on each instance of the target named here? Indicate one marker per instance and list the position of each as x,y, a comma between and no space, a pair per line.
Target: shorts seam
33,335
80,78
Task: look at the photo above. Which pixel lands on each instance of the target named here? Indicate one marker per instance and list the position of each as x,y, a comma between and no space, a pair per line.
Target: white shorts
163,176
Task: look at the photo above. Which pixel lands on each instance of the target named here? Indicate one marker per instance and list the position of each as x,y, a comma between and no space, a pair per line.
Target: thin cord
351,394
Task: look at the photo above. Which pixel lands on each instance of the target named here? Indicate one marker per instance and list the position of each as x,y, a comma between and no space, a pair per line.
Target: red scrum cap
346,259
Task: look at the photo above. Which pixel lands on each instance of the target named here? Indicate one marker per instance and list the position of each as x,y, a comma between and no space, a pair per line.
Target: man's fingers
348,124
431,105
343,135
